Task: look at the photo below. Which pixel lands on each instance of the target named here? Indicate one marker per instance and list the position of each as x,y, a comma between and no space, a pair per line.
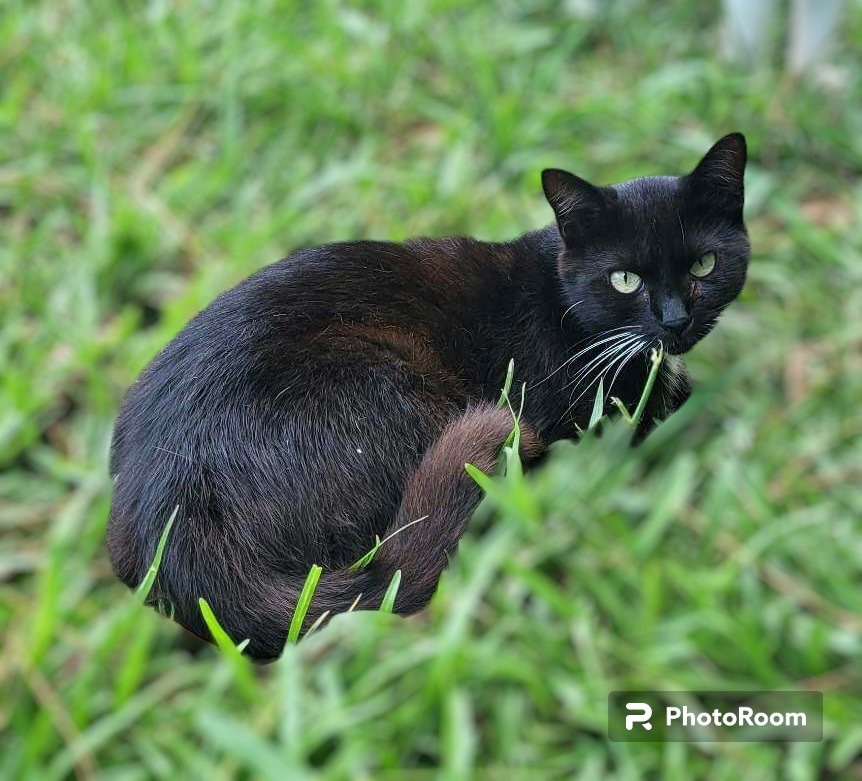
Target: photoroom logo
744,716
641,715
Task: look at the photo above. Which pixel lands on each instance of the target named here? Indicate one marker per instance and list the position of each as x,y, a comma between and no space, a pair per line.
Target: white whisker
623,341
636,349
569,310
602,341
601,371
619,358
577,355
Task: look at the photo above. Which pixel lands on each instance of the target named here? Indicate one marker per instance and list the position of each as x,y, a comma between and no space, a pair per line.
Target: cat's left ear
718,177
576,202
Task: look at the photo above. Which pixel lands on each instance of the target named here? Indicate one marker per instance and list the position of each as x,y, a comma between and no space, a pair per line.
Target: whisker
589,347
584,371
569,310
601,371
617,358
596,365
609,364
601,334
634,351
577,355
609,344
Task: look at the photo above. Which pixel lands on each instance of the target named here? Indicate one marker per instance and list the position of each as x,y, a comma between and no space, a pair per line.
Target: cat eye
625,281
704,266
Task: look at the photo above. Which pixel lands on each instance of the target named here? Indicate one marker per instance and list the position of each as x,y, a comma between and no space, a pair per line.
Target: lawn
153,154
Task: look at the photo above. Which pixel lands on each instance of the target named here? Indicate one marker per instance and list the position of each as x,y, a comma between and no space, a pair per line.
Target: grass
154,154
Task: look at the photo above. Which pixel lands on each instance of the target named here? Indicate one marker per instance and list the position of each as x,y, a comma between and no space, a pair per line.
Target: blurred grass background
153,154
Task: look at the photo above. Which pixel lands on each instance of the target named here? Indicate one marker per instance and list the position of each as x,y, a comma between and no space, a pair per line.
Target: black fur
337,394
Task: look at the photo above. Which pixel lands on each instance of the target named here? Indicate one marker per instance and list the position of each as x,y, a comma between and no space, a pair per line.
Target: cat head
658,257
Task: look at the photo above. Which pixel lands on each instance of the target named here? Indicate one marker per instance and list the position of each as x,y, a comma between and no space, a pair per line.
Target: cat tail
438,501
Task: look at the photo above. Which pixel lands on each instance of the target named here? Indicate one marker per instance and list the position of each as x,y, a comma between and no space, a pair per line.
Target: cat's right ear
718,177
576,202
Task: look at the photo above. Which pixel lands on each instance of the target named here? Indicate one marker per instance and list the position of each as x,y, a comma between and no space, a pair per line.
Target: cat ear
575,201
718,177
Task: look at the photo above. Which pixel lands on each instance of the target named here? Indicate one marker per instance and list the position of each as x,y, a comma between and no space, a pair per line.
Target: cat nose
673,314
678,324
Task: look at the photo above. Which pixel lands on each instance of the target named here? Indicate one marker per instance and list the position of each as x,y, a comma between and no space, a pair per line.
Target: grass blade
304,602
481,479
221,637
363,561
240,665
656,356
388,603
366,559
598,404
507,384
143,590
318,622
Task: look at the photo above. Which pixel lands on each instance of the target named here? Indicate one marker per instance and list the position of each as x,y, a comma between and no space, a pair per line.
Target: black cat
337,394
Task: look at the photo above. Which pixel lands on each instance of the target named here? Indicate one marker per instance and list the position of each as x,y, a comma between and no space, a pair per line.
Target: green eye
625,281
704,266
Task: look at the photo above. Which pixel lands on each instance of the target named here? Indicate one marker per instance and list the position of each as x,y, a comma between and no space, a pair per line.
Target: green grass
151,155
